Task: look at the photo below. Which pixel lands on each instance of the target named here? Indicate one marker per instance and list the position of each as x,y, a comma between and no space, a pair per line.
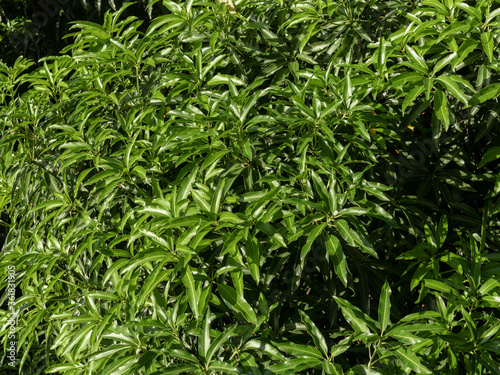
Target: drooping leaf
384,307
237,302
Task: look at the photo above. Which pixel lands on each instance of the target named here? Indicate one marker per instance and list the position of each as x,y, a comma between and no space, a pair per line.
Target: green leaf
453,29
412,95
364,370
488,286
230,242
431,240
428,84
150,255
443,62
204,340
486,93
154,211
337,256
492,15
185,188
293,366
441,108
93,28
120,366
139,172
182,354
229,217
417,59
298,350
402,79
224,79
453,88
191,290
474,12
151,283
112,269
101,176
48,205
213,159
199,198
353,238
217,197
403,335
61,368
155,238
361,130
384,307
109,351
353,211
337,350
487,42
376,190
265,347
236,302
179,222
362,33
347,92
315,333
411,360
492,154
442,231
354,320
309,32
178,369
320,186
253,256
219,341
415,112
269,230
104,296
315,232
465,49
128,150
82,334
490,363
437,285
381,57
344,230
222,366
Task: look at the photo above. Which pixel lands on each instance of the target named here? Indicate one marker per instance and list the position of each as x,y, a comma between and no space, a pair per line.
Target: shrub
294,187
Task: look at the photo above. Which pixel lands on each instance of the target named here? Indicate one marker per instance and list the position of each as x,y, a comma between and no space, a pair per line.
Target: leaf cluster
287,187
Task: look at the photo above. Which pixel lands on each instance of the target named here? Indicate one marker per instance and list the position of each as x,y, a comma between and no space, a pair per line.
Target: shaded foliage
35,28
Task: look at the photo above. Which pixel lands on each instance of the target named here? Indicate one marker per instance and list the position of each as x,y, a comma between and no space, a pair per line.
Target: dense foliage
35,28
285,187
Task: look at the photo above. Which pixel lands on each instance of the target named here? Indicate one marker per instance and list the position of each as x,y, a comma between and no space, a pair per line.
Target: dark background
35,28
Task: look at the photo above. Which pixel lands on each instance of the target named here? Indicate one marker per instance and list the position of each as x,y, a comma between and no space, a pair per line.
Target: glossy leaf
384,308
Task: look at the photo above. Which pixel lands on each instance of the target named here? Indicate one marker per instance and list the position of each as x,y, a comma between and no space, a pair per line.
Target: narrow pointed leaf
410,360
315,333
188,281
453,88
441,108
236,302
337,256
384,307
